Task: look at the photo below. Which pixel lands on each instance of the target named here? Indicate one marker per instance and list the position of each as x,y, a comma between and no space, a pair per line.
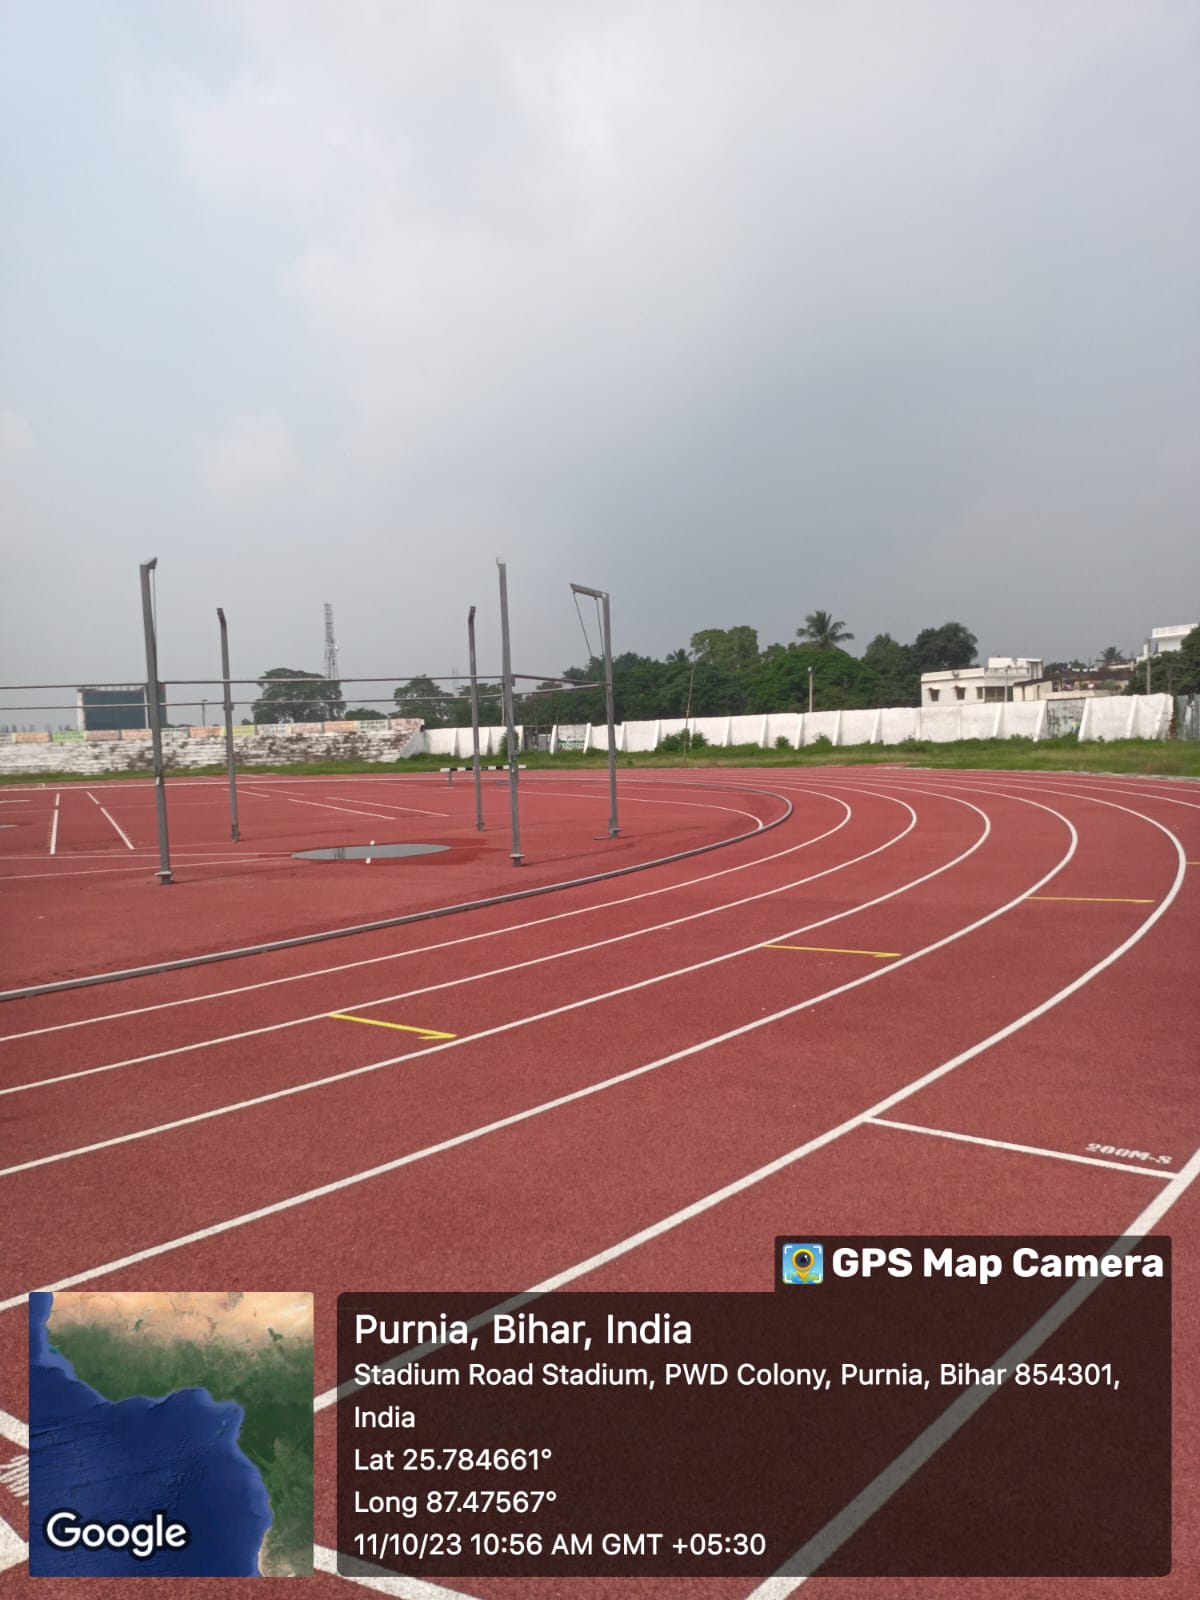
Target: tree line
722,673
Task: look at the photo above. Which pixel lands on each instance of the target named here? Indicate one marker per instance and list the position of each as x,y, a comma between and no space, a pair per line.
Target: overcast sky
888,307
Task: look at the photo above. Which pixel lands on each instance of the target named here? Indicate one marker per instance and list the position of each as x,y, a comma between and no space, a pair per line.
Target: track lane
953,1195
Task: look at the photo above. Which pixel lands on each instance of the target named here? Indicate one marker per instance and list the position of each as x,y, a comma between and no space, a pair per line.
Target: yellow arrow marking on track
1093,899
833,950
401,1027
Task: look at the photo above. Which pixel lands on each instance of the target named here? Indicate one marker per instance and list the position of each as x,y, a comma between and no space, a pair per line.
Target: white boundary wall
1146,716
1111,717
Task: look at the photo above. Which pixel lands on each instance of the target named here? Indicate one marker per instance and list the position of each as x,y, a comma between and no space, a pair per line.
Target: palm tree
1111,656
820,629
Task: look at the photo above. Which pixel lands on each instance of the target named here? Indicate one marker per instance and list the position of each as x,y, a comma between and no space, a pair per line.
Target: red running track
995,973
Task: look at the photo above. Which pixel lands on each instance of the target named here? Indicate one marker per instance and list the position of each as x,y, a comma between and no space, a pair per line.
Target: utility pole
475,721
810,691
602,596
687,715
228,691
510,726
154,713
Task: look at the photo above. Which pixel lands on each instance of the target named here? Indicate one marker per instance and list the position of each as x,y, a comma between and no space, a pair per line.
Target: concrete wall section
125,750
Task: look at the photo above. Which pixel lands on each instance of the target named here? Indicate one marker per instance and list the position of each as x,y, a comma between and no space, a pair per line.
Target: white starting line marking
1021,1149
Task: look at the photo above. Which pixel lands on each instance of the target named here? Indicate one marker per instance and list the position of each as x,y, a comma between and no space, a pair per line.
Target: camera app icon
803,1263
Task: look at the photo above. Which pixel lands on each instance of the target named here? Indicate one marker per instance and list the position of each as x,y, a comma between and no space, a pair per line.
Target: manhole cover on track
368,852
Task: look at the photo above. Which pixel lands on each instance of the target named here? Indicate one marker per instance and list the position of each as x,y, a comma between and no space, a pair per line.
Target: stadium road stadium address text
717,1434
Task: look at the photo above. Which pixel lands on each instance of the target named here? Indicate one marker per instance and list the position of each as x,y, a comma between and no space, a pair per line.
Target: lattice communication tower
331,650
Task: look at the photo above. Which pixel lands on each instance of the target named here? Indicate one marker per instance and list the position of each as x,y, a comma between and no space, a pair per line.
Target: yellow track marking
1093,899
401,1027
834,950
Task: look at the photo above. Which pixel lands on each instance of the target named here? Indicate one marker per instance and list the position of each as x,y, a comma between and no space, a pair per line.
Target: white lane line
880,1490
325,1560
448,944
420,811
118,827
321,805
1022,1149
14,1475
13,1430
1119,787
92,797
13,1549
589,1090
476,977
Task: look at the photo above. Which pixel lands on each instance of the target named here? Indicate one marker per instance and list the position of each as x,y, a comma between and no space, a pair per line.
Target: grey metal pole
510,726
233,816
606,624
687,715
475,722
154,712
810,697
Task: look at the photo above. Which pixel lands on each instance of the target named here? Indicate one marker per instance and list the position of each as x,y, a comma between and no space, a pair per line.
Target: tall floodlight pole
810,697
154,712
687,715
606,624
475,722
228,688
510,726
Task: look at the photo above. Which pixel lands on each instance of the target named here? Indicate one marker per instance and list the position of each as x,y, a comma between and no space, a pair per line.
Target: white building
1163,640
971,685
